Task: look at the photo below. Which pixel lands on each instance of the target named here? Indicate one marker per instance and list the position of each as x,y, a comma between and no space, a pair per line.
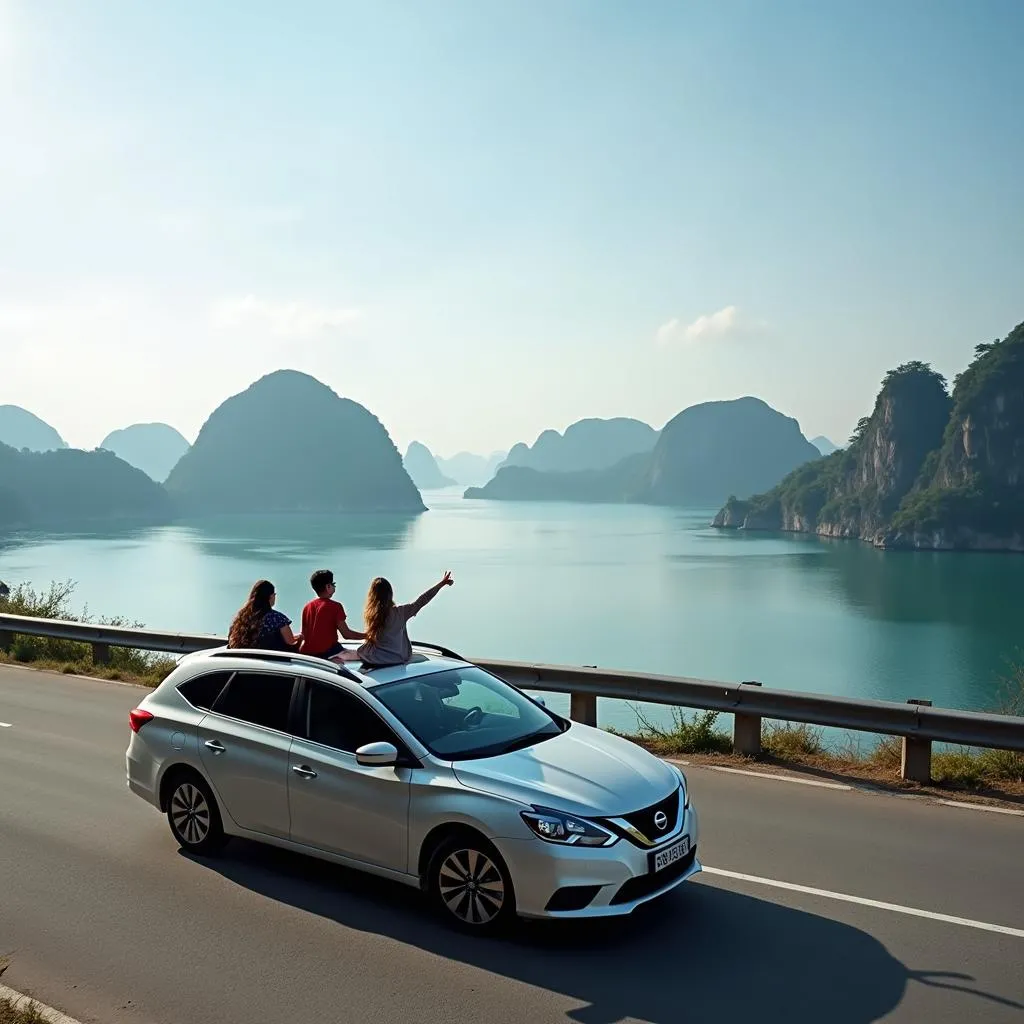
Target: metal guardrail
917,722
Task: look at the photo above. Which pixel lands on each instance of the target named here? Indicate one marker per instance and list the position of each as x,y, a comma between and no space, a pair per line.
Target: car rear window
202,691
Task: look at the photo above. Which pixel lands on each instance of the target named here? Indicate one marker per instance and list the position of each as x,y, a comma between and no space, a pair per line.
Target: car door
336,804
243,743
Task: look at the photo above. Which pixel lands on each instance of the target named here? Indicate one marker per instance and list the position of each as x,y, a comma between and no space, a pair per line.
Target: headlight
558,827
682,780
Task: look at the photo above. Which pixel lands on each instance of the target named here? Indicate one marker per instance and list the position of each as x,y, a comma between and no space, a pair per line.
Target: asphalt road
107,920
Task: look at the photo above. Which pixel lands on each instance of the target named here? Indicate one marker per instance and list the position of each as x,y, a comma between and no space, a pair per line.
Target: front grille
643,885
643,821
572,897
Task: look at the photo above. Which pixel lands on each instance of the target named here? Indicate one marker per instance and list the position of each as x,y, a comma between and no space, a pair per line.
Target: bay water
618,586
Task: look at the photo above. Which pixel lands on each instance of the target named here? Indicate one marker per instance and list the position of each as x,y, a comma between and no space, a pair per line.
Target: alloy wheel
190,814
471,886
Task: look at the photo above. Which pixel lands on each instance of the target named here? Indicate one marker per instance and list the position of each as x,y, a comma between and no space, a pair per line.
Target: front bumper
540,870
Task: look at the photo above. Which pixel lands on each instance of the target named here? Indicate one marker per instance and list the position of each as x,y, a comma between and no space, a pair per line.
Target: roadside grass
70,656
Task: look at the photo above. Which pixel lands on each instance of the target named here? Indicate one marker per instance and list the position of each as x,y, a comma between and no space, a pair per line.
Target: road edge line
967,805
48,1013
820,783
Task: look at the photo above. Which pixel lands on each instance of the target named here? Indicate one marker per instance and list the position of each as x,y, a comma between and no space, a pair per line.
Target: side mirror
377,755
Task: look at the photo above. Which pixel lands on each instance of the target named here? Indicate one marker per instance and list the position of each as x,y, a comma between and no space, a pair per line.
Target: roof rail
269,655
443,651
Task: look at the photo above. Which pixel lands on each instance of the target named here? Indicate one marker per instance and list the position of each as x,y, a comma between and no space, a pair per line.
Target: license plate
667,857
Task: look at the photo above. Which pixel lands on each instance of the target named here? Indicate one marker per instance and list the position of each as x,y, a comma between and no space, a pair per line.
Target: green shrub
693,735
71,655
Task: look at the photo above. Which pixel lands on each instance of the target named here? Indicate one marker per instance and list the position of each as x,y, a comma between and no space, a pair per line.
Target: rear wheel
193,815
470,884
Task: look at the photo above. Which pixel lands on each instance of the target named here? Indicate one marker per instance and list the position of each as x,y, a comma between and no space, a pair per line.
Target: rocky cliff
924,470
289,444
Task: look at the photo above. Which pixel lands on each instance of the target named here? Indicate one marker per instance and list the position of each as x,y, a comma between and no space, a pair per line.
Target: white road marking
47,1013
780,778
981,807
999,929
6,725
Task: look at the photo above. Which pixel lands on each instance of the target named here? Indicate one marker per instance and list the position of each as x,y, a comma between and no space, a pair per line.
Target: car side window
204,690
340,720
259,698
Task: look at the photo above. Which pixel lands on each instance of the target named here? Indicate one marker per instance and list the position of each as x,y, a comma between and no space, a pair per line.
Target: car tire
193,815
470,885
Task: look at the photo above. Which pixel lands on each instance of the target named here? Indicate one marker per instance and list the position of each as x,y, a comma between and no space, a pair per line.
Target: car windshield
467,713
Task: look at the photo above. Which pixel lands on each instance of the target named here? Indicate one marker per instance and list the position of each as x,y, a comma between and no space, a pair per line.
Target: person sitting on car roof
387,636
257,625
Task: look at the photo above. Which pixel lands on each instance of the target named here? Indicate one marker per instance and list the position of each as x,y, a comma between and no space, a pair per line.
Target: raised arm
428,595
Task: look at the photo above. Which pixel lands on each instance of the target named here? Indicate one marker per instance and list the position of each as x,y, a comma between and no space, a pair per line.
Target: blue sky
481,219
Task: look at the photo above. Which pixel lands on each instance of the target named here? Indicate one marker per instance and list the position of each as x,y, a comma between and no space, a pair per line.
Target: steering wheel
472,718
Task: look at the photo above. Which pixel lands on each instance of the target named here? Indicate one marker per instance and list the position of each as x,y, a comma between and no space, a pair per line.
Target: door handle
216,746
304,770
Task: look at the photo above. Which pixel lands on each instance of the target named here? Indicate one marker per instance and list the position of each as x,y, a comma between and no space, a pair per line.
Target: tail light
138,718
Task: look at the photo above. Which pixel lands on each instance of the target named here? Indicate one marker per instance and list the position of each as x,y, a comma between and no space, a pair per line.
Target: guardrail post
583,708
6,640
101,654
916,760
746,730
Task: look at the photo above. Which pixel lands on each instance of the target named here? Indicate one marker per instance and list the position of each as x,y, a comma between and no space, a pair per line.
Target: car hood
584,771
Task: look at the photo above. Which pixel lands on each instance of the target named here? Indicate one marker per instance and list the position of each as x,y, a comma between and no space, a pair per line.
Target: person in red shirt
324,618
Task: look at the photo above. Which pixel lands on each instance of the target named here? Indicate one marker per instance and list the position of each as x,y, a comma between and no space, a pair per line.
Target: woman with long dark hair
257,625
387,638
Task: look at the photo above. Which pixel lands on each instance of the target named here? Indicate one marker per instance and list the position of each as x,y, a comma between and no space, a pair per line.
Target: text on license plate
668,856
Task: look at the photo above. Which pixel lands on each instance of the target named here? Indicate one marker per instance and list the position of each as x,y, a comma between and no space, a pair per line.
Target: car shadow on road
700,953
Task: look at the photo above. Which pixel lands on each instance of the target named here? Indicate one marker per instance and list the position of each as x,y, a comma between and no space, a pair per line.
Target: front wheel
193,816
470,884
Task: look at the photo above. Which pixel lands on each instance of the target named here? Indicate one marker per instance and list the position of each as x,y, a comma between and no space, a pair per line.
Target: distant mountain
71,489
155,448
824,445
723,448
422,467
586,444
621,482
289,444
21,429
469,469
705,452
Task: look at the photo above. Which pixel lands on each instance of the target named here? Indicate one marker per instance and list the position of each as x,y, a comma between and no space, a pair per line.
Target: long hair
245,627
379,602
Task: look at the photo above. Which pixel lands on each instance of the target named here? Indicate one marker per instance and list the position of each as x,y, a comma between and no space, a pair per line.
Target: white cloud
283,319
725,323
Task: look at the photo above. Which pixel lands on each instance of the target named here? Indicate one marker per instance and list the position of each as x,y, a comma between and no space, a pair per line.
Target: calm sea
627,587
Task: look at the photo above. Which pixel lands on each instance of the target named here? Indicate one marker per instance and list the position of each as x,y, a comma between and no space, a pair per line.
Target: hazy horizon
584,211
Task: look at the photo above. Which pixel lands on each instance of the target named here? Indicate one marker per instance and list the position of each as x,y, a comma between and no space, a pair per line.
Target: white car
434,773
